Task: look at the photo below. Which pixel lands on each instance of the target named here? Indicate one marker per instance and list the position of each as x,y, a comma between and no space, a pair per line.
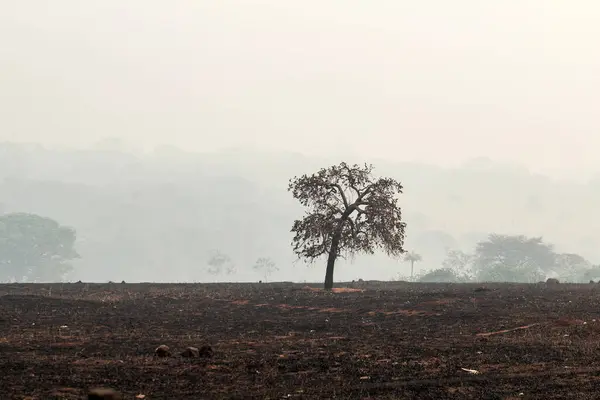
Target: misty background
164,132
158,216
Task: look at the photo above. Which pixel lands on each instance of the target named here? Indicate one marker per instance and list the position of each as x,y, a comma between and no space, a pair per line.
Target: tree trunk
412,267
335,241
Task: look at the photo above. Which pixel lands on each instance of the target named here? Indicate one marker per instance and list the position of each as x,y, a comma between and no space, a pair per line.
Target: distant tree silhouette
412,258
572,267
219,263
460,263
266,266
592,273
441,275
504,258
349,212
35,248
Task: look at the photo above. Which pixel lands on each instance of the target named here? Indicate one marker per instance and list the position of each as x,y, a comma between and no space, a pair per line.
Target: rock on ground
191,352
162,351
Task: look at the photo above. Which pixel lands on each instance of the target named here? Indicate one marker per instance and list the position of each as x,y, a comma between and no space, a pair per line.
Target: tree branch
362,203
352,228
349,175
366,192
342,195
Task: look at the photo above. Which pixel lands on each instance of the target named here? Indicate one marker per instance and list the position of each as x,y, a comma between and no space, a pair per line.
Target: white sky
434,81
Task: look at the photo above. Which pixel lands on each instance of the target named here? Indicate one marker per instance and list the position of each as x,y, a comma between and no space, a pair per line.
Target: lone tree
219,263
349,212
266,266
412,258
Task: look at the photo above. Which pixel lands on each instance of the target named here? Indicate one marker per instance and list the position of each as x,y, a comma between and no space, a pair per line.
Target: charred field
274,341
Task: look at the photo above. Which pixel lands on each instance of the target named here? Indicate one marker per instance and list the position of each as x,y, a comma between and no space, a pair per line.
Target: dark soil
280,341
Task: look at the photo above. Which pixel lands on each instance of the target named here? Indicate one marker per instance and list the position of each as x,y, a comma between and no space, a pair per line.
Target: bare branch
366,192
352,227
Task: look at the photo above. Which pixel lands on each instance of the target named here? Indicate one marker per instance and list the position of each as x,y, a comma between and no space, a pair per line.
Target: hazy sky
435,81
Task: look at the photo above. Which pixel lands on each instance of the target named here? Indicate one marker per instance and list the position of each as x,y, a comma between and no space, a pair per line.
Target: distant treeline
161,216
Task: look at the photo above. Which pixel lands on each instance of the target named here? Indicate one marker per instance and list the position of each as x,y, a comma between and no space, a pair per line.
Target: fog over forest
158,216
166,134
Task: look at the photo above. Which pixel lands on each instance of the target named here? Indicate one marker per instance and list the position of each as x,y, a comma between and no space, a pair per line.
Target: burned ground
276,341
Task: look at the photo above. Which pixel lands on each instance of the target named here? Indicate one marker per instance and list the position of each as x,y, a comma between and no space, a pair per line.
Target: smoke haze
170,130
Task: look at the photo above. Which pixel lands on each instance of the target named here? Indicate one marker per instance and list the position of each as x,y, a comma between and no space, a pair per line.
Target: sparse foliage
455,268
349,212
572,268
266,266
35,248
219,263
460,263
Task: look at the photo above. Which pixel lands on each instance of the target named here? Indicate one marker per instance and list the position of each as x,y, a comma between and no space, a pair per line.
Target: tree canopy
516,258
349,212
412,257
35,248
508,258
